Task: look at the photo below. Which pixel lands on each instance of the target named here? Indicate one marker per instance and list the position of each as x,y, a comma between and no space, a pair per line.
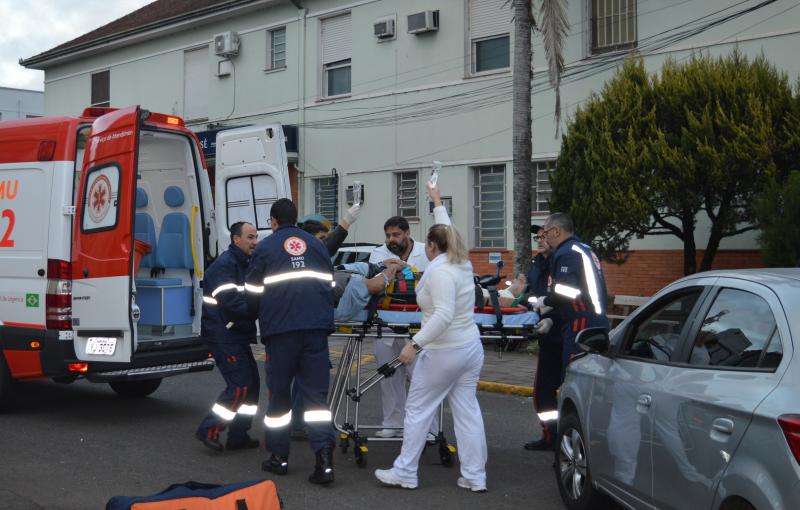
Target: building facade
378,89
20,103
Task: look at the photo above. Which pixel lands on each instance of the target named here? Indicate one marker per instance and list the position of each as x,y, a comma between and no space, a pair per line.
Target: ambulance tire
5,383
135,389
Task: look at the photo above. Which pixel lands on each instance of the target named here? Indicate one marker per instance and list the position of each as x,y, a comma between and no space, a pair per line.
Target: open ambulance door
102,251
252,173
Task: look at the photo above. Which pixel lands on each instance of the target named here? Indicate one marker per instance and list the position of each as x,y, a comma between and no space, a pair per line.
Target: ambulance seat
144,229
174,243
167,301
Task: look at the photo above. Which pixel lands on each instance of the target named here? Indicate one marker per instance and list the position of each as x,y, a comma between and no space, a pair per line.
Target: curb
508,389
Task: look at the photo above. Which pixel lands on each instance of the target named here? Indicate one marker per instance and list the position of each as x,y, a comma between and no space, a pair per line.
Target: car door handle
723,426
643,404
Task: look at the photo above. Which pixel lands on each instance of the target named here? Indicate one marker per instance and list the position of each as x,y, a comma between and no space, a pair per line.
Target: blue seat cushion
157,282
173,196
174,248
144,230
141,198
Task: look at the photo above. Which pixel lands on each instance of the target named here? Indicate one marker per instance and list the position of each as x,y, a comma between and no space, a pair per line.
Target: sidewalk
507,372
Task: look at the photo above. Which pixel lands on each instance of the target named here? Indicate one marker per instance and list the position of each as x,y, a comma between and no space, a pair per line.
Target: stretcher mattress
516,318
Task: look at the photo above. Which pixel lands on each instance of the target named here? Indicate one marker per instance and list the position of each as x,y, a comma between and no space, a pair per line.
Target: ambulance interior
168,219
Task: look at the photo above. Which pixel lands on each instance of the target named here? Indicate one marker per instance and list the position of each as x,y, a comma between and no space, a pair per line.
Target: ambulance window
80,144
99,210
250,199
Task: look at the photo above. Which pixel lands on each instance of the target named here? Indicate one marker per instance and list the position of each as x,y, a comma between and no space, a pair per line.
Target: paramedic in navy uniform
228,329
291,273
450,362
578,292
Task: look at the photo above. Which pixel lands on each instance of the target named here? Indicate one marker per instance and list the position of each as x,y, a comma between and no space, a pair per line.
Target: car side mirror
594,340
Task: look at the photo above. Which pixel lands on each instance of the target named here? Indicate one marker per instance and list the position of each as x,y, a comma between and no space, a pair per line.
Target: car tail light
58,300
790,423
47,150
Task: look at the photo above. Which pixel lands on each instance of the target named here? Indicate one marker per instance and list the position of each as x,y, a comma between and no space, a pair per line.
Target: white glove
544,326
352,214
537,304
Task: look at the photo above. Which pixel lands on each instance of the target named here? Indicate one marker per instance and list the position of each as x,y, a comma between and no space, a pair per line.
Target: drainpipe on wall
301,102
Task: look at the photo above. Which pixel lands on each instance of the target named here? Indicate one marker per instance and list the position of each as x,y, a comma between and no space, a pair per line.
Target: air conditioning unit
384,29
421,22
226,44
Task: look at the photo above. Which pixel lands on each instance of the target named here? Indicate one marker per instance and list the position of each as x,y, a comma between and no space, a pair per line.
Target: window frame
317,208
688,330
207,76
270,54
714,292
333,66
476,206
255,202
102,103
550,168
597,50
398,180
474,55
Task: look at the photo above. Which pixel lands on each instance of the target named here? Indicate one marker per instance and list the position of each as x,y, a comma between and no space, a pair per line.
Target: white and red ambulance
106,223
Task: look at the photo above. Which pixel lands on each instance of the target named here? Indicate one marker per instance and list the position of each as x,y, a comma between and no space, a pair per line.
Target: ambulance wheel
135,389
5,383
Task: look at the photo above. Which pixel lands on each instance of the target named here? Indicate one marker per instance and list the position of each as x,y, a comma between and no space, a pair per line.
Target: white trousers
450,373
393,389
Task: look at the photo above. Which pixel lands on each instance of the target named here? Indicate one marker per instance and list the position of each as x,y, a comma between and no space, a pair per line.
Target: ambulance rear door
252,173
102,254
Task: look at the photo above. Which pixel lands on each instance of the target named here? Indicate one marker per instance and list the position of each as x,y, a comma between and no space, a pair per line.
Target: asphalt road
74,446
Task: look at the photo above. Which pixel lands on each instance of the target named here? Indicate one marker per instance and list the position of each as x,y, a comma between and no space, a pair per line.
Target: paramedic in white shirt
449,363
399,244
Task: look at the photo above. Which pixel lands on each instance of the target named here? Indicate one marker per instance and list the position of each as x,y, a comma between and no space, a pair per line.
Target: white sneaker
431,438
464,484
387,477
387,433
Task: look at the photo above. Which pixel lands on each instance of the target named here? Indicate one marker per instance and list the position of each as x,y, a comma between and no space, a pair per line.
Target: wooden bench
628,304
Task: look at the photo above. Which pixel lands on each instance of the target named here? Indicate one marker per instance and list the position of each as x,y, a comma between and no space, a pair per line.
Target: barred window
326,198
614,25
407,196
276,48
540,185
490,206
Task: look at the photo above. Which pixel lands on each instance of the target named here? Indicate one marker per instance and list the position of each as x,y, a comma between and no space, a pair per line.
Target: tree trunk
523,143
689,247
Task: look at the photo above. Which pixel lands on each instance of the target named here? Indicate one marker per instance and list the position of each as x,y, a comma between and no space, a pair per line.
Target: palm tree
553,28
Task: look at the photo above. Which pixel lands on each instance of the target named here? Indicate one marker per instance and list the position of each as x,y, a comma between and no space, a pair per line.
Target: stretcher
402,321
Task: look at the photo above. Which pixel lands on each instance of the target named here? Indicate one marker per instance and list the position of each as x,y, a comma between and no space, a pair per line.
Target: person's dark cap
536,228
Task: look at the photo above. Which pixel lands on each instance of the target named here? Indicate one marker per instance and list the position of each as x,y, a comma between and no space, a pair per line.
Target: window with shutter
614,25
489,35
336,55
195,84
101,88
490,206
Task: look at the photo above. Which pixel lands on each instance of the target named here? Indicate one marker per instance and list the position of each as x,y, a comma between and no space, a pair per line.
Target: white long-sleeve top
447,301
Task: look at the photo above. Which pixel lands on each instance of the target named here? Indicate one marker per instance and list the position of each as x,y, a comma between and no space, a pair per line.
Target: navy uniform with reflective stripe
229,329
291,274
548,376
578,292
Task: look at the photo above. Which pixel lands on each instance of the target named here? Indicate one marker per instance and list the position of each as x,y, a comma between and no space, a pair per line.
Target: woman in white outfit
449,363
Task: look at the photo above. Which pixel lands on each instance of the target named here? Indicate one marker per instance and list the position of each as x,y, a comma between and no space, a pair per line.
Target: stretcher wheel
344,442
361,455
446,454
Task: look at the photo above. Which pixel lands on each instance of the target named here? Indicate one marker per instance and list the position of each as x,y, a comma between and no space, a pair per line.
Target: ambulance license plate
100,345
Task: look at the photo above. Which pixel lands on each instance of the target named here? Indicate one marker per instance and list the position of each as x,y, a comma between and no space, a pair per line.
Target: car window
657,335
737,331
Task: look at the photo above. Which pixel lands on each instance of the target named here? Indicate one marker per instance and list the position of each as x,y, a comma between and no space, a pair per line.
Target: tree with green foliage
650,153
777,211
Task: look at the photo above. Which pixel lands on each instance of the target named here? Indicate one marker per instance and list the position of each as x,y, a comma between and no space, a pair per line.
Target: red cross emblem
294,246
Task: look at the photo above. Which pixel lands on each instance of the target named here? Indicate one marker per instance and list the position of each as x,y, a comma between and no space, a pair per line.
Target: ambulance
107,221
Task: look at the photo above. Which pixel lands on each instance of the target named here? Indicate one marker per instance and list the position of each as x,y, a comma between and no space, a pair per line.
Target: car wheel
572,468
135,389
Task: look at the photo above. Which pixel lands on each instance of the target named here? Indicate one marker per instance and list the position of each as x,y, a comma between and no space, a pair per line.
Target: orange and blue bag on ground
251,495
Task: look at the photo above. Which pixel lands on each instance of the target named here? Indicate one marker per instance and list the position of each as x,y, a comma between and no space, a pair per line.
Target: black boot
209,439
276,464
241,443
323,470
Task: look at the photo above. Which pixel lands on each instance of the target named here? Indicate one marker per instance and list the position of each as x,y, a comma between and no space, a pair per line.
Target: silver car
693,402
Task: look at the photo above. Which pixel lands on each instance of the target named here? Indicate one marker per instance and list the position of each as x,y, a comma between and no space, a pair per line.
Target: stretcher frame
345,396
